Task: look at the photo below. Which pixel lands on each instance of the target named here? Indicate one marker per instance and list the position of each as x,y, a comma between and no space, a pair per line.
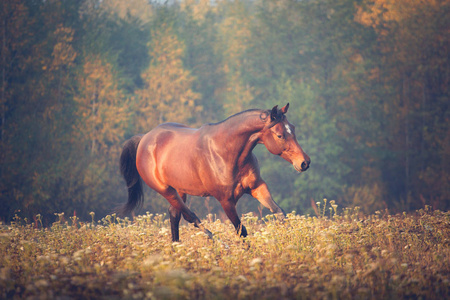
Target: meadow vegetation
332,256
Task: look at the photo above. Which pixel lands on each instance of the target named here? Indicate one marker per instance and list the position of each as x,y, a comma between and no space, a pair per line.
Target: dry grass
345,256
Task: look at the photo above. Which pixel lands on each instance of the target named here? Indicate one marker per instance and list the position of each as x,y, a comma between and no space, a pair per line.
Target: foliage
368,83
101,109
411,39
342,256
167,93
234,36
316,132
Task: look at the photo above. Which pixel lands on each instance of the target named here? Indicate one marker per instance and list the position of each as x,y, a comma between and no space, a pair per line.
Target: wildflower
41,283
256,261
78,253
152,260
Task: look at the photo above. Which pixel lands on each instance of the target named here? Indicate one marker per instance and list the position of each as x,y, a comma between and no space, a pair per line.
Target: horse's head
278,135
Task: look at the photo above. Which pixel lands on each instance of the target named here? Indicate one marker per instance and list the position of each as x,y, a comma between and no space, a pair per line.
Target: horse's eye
280,136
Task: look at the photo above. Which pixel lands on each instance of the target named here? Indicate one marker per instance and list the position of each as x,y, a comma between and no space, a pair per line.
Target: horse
213,160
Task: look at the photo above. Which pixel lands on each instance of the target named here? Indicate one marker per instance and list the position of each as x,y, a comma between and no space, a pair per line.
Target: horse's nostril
305,165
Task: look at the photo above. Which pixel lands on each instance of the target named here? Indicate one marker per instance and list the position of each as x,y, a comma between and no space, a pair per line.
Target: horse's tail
130,174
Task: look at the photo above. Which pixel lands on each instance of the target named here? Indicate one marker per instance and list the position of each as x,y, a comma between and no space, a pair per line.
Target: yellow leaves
102,109
379,13
197,8
63,52
167,94
235,37
14,23
236,34
373,15
141,9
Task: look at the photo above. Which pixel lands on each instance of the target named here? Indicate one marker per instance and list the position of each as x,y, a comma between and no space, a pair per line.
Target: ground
342,256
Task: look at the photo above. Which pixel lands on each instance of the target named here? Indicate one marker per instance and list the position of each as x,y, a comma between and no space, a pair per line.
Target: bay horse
214,160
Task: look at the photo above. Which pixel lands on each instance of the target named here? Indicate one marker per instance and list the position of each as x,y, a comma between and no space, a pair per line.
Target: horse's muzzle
303,166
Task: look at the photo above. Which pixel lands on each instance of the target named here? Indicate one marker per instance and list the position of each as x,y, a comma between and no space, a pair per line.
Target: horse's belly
193,192
184,178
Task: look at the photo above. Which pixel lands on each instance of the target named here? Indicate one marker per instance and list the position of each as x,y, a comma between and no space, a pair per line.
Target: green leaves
367,82
317,135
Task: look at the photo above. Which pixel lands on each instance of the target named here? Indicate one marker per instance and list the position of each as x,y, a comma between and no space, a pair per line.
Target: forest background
368,83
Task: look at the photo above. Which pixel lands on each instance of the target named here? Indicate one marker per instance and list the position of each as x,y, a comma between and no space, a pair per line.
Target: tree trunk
3,93
407,136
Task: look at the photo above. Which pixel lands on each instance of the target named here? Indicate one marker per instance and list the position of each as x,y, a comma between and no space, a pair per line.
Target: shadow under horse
213,160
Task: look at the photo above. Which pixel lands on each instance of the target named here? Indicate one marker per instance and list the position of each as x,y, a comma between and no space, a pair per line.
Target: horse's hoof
206,231
242,231
280,216
209,234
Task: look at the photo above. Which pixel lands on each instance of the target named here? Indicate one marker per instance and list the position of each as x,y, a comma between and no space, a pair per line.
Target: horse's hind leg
175,216
178,205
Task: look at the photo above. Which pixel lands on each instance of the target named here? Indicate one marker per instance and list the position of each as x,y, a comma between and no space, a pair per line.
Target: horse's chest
238,191
236,187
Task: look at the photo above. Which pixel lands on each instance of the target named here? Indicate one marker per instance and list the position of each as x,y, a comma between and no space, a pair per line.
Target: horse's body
213,160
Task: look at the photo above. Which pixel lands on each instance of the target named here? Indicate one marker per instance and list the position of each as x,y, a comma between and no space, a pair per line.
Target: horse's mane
237,115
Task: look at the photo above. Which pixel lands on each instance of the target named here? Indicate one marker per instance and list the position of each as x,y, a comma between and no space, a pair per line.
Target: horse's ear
285,109
274,113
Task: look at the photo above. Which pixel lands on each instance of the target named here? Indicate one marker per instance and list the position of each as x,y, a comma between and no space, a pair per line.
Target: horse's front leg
262,194
229,207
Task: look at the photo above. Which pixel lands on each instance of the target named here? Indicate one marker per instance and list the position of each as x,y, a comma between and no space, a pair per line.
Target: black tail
130,174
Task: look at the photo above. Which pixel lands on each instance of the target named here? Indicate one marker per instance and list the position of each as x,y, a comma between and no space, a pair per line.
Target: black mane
236,115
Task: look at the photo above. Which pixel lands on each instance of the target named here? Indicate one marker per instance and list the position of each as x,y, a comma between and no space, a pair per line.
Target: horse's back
166,137
169,125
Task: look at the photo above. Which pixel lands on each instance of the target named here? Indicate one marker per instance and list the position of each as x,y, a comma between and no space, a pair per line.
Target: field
343,256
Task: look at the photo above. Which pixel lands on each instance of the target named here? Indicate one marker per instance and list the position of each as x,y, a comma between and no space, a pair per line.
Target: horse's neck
239,126
241,132
244,123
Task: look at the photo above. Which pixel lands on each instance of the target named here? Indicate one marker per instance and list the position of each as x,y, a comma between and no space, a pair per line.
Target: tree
140,9
167,94
317,134
234,37
413,44
14,43
102,117
101,108
368,83
197,28
13,15
127,27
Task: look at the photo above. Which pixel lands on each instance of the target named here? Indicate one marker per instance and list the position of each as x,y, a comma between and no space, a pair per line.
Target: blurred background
368,83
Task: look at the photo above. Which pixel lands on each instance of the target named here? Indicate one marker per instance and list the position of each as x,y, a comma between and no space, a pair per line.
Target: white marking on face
288,128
